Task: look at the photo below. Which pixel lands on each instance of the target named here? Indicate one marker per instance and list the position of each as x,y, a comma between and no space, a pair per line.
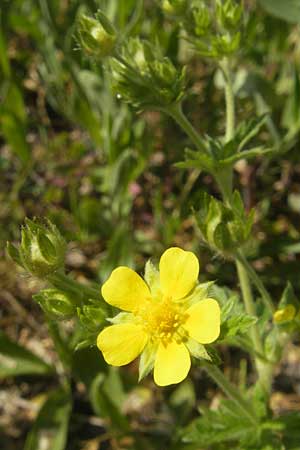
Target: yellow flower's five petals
125,289
178,272
203,322
122,343
172,364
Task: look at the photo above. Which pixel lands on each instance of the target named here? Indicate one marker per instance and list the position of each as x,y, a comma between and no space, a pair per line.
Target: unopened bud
285,314
42,248
96,36
57,304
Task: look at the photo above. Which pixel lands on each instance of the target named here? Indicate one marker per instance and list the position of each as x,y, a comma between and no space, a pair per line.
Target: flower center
162,319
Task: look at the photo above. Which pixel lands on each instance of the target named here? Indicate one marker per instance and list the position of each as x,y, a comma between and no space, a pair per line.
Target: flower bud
42,249
146,79
201,21
92,317
285,314
174,7
229,14
96,36
57,304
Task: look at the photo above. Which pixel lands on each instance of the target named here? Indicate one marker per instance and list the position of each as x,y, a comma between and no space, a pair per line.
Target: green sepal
289,298
13,253
147,359
122,317
197,350
152,277
200,292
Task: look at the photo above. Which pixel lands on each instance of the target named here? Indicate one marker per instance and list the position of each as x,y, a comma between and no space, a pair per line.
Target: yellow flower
285,314
162,319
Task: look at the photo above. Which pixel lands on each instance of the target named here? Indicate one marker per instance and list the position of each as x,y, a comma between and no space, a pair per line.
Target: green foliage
224,229
42,248
16,360
289,11
76,151
57,304
97,36
145,78
225,425
51,425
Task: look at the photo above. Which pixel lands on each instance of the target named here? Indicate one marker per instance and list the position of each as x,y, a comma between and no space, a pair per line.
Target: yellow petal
203,323
172,364
121,344
178,272
125,289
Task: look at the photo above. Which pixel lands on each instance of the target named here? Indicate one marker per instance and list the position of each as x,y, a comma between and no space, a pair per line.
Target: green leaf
51,426
237,324
223,425
16,360
247,154
103,404
288,10
248,130
15,134
288,297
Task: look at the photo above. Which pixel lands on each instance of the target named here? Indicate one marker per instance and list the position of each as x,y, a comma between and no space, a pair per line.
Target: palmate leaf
51,426
16,360
223,425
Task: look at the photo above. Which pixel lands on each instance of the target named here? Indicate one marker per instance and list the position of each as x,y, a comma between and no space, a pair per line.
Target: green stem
176,112
231,391
249,304
62,281
264,369
229,98
257,282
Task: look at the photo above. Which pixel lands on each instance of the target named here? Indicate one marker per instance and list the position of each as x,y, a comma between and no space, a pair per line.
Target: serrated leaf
225,425
248,130
247,154
237,324
16,360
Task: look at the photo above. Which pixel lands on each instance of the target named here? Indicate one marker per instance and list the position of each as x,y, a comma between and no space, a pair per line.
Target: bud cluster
213,28
142,77
96,36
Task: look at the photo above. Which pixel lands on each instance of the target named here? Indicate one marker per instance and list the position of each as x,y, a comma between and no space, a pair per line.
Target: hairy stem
62,281
176,112
229,99
263,369
231,391
256,281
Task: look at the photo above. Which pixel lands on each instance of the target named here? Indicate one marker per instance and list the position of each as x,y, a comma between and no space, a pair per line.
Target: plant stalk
231,391
257,282
175,111
62,281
